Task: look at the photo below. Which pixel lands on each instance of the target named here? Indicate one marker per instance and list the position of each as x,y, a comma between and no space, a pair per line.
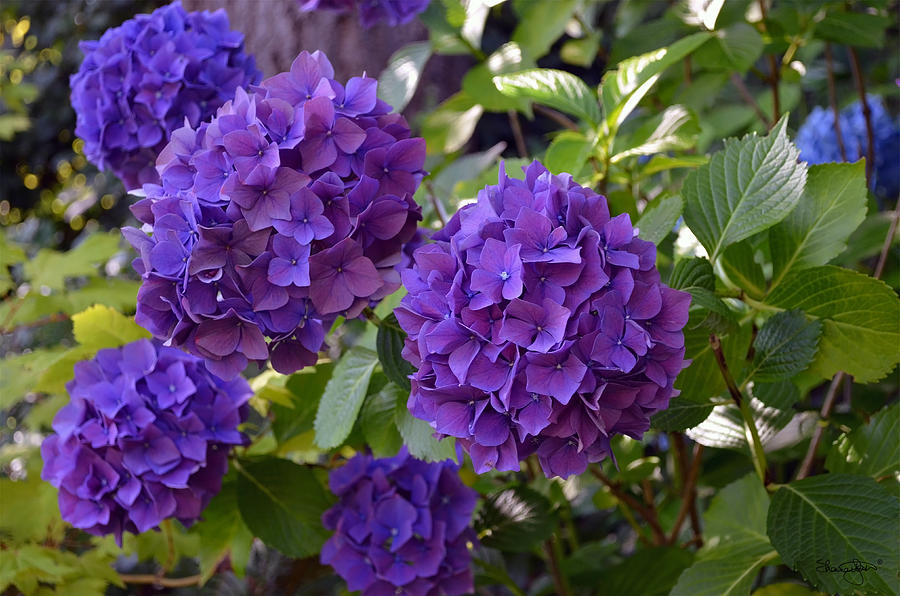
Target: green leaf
389,343
222,529
631,577
418,436
568,152
742,269
282,504
555,88
736,47
443,20
696,272
662,163
725,429
478,82
695,275
838,518
51,268
833,206
735,546
683,412
782,395
377,421
659,219
581,52
450,126
343,396
622,89
515,519
785,589
397,83
871,449
752,184
674,129
785,346
541,24
103,327
859,314
20,373
853,28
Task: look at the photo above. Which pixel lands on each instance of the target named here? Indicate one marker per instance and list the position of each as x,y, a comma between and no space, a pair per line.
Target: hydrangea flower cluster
371,12
538,323
817,141
145,437
141,80
288,209
401,527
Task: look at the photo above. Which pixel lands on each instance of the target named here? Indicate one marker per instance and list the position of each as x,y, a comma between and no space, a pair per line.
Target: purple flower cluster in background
818,143
141,80
145,437
401,527
538,323
290,208
371,12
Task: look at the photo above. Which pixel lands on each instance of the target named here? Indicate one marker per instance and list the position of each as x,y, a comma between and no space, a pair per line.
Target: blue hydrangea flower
538,323
143,79
289,208
145,437
371,12
817,141
401,526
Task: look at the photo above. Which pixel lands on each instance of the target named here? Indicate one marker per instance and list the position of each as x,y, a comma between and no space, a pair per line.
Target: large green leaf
515,519
737,47
50,268
541,24
222,532
306,389
860,334
871,449
418,436
823,523
103,327
568,152
377,421
659,219
282,503
398,81
450,126
741,268
675,129
478,82
683,412
707,310
735,546
631,577
725,429
622,89
785,346
752,184
555,88
833,206
343,396
853,28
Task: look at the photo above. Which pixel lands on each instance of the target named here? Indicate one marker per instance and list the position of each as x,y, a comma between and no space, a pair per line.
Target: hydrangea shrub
401,526
145,78
538,324
288,209
371,12
144,437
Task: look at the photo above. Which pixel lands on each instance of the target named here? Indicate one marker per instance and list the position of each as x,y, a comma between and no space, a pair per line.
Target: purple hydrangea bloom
401,527
538,324
371,12
143,79
817,141
145,437
271,220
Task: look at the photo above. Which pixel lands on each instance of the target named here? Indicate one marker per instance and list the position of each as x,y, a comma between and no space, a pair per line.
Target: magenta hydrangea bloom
371,12
145,437
538,324
401,526
141,80
288,209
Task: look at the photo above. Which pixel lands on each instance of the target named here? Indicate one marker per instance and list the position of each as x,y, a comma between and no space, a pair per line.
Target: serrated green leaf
541,24
568,152
377,421
389,343
631,577
103,327
786,345
853,28
675,129
725,428
418,437
683,412
690,273
735,546
398,81
752,184
871,449
859,315
782,395
343,396
555,88
838,519
817,230
622,89
450,126
282,503
515,519
659,219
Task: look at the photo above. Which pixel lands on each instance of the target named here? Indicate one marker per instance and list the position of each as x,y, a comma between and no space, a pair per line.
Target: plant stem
169,531
689,493
832,98
827,405
554,554
867,114
756,450
748,98
648,513
156,580
516,127
436,203
888,241
557,117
